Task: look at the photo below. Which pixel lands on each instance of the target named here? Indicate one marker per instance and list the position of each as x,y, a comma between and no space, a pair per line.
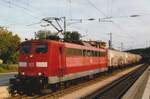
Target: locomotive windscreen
41,48
25,48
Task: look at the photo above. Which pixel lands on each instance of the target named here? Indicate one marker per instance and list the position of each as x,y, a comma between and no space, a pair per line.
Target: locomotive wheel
67,84
13,91
46,91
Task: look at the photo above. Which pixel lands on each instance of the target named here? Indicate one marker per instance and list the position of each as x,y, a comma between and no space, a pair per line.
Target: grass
6,68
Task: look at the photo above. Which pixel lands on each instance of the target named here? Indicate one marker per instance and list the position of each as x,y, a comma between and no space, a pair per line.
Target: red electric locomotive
45,63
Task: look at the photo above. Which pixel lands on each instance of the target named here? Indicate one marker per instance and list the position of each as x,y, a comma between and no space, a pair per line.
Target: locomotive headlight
22,73
31,56
39,74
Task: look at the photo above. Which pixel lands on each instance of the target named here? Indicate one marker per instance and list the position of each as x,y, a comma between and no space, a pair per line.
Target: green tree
46,34
74,37
8,46
43,34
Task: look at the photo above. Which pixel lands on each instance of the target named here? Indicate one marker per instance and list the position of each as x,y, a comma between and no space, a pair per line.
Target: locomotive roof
72,45
67,44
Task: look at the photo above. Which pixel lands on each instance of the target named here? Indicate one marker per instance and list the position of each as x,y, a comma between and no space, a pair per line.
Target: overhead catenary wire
93,19
93,5
111,8
118,26
36,9
29,11
26,10
26,2
5,21
70,8
101,12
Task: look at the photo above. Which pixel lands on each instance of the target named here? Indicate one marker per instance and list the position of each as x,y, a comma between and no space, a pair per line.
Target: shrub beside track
8,68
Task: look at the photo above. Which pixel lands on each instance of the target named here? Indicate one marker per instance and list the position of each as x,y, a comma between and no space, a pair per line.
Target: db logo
31,64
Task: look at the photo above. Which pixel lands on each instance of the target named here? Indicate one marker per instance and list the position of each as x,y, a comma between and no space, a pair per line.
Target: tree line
74,36
9,43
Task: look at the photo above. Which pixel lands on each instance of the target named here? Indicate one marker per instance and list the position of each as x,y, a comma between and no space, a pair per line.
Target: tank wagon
44,64
118,59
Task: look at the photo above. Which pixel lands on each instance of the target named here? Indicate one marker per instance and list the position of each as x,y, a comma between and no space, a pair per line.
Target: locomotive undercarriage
27,85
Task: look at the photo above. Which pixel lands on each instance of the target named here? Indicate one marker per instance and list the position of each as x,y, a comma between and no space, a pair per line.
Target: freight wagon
118,59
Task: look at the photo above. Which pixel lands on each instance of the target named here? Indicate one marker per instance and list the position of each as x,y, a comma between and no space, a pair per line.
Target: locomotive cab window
41,48
25,48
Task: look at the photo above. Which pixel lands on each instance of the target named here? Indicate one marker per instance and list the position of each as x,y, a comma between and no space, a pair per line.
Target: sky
23,17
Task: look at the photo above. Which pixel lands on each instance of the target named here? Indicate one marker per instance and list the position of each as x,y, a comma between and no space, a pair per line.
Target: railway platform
141,88
146,94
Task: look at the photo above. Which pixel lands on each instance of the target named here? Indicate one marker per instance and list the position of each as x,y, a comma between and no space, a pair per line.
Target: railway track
119,87
62,92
